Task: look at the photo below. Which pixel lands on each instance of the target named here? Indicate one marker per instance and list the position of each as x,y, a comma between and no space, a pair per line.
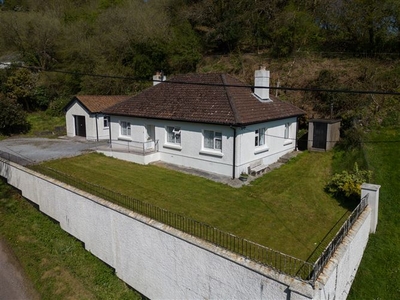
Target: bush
12,117
347,185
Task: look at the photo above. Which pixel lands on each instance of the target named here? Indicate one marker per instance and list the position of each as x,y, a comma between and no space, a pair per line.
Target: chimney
261,83
158,78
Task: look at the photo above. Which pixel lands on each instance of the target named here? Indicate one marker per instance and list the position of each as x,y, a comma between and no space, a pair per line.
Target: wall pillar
372,190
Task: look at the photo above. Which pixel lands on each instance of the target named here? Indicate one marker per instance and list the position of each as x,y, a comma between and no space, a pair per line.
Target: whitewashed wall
92,132
192,154
163,263
276,146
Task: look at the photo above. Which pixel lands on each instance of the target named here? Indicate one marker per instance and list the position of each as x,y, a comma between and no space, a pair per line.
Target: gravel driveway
26,151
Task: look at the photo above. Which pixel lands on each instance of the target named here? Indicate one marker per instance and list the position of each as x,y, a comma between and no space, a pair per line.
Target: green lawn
379,274
286,210
56,263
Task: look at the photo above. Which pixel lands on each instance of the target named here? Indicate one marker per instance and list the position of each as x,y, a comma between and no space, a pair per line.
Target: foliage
56,263
348,185
378,276
12,117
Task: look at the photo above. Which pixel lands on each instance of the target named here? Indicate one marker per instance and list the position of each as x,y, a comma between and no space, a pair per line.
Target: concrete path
13,284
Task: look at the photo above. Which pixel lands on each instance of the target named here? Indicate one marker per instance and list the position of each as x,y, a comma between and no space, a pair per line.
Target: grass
379,274
44,124
56,263
292,215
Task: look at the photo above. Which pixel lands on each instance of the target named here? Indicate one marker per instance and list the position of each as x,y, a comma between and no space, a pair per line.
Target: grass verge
379,274
56,263
294,215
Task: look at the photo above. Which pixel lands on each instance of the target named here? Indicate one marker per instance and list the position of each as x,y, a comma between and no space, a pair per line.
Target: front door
80,126
319,137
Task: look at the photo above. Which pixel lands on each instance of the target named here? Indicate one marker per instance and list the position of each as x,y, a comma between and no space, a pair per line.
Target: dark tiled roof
178,99
98,103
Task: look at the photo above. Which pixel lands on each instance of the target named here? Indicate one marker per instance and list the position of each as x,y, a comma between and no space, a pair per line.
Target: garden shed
323,134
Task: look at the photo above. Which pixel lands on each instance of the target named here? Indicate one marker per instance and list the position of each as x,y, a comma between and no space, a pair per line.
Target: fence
337,240
135,147
280,262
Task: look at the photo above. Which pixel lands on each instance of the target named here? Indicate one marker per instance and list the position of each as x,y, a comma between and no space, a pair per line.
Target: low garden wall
162,262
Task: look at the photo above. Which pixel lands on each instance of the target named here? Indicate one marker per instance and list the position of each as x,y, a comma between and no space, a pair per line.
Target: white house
210,122
84,116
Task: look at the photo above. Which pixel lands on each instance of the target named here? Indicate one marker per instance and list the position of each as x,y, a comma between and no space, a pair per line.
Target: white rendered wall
92,132
103,132
192,154
163,263
77,109
336,280
275,147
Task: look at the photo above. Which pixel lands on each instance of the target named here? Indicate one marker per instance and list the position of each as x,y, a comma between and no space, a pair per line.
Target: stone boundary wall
161,262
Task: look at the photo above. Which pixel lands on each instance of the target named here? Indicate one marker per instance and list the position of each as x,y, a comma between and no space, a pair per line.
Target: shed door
320,133
80,126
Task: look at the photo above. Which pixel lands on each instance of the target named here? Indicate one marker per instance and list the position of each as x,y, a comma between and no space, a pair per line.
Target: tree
20,86
34,35
12,117
359,25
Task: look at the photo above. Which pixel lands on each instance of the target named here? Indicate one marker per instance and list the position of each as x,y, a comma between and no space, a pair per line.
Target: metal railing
276,260
280,262
327,254
134,146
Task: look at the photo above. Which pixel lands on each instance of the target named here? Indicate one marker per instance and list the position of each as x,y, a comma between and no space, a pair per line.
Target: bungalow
210,122
84,116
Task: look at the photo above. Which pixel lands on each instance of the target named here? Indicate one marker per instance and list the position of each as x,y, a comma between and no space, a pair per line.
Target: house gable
95,103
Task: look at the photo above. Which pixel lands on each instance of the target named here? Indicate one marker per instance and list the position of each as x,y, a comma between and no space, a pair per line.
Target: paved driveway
26,151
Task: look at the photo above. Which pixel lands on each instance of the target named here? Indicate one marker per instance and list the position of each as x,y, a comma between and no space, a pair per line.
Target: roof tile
205,98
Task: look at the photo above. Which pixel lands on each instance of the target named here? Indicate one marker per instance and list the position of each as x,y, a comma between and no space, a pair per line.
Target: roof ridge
236,115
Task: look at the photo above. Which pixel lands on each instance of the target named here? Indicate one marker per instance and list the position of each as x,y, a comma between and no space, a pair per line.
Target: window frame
106,120
216,140
125,126
286,134
260,139
176,137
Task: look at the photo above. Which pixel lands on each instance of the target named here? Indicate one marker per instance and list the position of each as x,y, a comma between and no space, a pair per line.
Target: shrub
347,185
12,117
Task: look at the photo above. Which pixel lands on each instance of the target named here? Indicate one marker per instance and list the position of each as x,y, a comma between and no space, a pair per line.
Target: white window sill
173,146
261,150
125,138
211,152
287,142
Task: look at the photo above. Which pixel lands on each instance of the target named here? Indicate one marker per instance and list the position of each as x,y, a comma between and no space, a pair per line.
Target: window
174,135
286,134
260,137
212,140
106,121
125,128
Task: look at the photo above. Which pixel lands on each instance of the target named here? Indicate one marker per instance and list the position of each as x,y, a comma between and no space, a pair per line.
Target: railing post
372,190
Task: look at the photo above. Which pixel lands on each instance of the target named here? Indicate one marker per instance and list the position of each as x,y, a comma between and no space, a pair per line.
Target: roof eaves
76,99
